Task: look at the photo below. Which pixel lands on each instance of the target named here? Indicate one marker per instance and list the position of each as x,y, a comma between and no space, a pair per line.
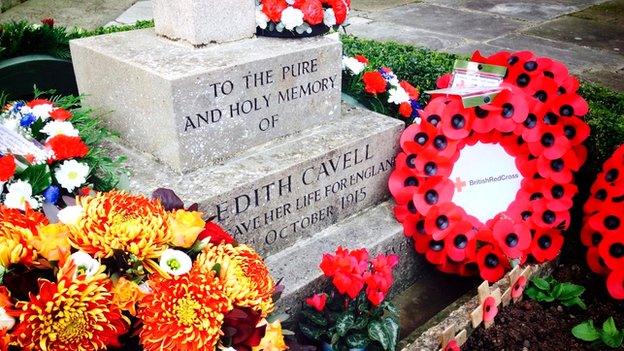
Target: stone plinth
277,194
191,107
201,22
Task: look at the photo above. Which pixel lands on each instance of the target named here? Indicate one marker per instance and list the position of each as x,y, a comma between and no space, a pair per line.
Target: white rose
291,18
175,262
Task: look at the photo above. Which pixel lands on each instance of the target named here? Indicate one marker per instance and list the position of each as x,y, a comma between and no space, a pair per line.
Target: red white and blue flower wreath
537,120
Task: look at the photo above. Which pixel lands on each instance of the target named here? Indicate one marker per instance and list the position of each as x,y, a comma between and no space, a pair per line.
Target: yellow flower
185,226
52,241
126,294
13,247
273,338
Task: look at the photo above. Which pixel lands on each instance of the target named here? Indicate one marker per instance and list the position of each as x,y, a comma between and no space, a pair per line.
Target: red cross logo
459,184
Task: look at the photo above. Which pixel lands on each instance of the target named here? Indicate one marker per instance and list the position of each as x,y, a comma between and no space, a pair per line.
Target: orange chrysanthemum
74,314
17,229
183,313
119,221
246,277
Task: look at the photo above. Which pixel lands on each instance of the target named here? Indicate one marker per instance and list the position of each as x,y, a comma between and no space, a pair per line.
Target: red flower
615,284
60,114
48,22
595,262
361,59
347,269
609,220
341,10
444,81
374,82
492,263
513,238
405,109
7,167
240,324
456,121
460,244
273,9
312,11
66,147
441,219
215,233
413,92
433,191
490,310
36,102
546,245
611,250
518,287
452,346
317,302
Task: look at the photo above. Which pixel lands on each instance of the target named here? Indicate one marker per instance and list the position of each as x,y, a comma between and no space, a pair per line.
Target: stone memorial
254,132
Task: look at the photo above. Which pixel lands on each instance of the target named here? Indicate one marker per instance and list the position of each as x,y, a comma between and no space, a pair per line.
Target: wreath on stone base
536,119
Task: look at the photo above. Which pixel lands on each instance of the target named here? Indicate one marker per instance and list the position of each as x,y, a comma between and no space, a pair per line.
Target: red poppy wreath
535,123
603,230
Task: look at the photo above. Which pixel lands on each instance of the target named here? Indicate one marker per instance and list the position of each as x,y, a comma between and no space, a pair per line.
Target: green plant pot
21,74
327,347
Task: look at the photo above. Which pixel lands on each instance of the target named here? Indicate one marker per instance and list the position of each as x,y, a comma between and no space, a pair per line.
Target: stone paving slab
455,22
140,11
608,78
388,31
376,5
528,10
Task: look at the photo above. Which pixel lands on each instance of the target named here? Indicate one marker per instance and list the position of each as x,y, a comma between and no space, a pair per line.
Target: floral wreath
536,119
603,230
300,17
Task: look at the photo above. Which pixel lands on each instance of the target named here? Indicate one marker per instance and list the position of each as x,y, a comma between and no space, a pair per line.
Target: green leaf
360,323
556,291
586,331
311,332
389,306
357,340
541,283
315,317
391,329
344,323
608,327
574,302
612,340
569,291
376,332
38,176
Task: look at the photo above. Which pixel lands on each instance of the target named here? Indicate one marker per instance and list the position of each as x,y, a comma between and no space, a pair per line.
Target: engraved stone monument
253,130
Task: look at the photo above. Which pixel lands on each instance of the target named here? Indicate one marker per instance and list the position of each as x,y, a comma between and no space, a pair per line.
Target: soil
529,325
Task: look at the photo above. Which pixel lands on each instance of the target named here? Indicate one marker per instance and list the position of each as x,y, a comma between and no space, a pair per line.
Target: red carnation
215,233
312,11
317,302
36,102
340,10
48,22
273,9
374,82
66,147
405,109
411,90
7,167
60,114
362,59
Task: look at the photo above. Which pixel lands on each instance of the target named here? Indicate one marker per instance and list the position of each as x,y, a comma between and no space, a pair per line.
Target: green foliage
609,335
38,176
358,325
550,290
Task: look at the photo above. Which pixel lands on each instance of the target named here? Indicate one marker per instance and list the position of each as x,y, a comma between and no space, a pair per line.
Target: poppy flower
570,105
546,245
500,58
508,109
416,137
444,81
441,219
544,217
452,346
436,252
575,130
456,121
549,142
431,167
374,82
595,262
273,9
317,302
611,249
590,237
615,284
609,220
460,244
7,167
513,238
433,191
559,196
559,170
518,287
490,310
492,263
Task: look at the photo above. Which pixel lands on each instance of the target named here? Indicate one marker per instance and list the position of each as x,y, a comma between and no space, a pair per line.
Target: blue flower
18,106
416,106
27,120
52,194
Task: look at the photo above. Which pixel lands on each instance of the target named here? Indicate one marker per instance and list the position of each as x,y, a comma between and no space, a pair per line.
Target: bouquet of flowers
300,18
380,89
50,149
119,270
353,313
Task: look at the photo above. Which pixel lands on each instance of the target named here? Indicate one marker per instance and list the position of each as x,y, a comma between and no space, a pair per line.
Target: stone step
289,189
374,228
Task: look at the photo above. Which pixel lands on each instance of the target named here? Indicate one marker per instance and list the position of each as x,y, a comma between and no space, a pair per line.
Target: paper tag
14,143
484,188
476,83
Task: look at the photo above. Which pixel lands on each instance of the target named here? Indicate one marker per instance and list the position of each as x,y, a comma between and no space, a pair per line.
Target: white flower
11,124
291,18
329,18
71,174
352,64
6,322
42,111
85,264
19,194
55,128
398,95
175,262
261,18
70,214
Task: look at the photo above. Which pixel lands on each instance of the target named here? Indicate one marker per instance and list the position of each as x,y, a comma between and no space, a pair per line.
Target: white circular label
486,180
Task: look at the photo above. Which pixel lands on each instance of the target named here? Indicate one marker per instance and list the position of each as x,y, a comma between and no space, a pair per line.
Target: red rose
7,167
48,21
273,9
312,11
374,83
60,114
216,234
317,302
362,59
411,91
66,147
405,109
